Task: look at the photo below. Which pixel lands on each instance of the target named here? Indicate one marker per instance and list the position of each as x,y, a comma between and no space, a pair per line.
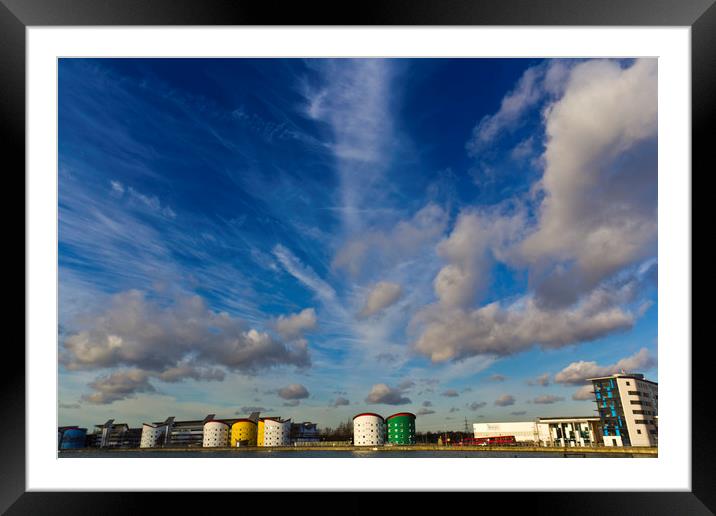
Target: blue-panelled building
628,409
611,411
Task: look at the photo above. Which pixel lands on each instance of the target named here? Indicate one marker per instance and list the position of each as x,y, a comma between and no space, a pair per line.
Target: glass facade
610,409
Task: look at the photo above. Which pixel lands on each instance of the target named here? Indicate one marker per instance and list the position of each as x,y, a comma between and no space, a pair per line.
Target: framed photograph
442,248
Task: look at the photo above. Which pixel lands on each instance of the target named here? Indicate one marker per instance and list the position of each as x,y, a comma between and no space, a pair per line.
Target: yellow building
260,433
244,431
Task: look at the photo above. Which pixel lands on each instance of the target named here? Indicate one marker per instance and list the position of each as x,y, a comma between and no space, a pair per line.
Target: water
261,454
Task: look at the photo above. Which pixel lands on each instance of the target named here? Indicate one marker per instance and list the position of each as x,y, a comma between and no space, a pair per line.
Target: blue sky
461,238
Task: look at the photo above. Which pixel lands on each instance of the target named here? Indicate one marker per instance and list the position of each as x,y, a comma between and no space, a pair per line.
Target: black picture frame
17,15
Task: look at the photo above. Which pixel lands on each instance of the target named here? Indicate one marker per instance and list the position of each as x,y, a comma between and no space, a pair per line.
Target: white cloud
542,380
577,372
499,330
295,391
383,394
505,400
514,105
586,392
295,325
599,185
381,296
303,273
173,342
117,188
469,250
595,219
547,399
118,386
353,99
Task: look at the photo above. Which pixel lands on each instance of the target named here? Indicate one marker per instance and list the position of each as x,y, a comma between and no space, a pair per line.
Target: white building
546,431
524,431
569,431
277,432
628,409
216,434
153,436
368,430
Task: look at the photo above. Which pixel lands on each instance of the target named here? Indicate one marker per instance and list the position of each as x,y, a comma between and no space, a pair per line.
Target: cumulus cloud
450,393
453,409
183,371
542,380
598,214
341,401
294,326
70,405
118,386
585,392
578,372
383,394
505,400
171,342
518,413
427,403
547,399
406,384
477,405
381,296
499,330
477,237
496,378
580,235
250,409
424,412
295,391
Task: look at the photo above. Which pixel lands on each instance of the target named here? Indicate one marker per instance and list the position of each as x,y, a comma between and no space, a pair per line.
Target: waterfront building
569,431
276,431
628,409
71,437
368,430
184,433
260,432
305,432
216,434
243,433
523,431
117,435
401,428
153,436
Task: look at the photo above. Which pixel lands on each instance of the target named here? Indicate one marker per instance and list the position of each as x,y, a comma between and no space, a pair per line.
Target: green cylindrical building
401,428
